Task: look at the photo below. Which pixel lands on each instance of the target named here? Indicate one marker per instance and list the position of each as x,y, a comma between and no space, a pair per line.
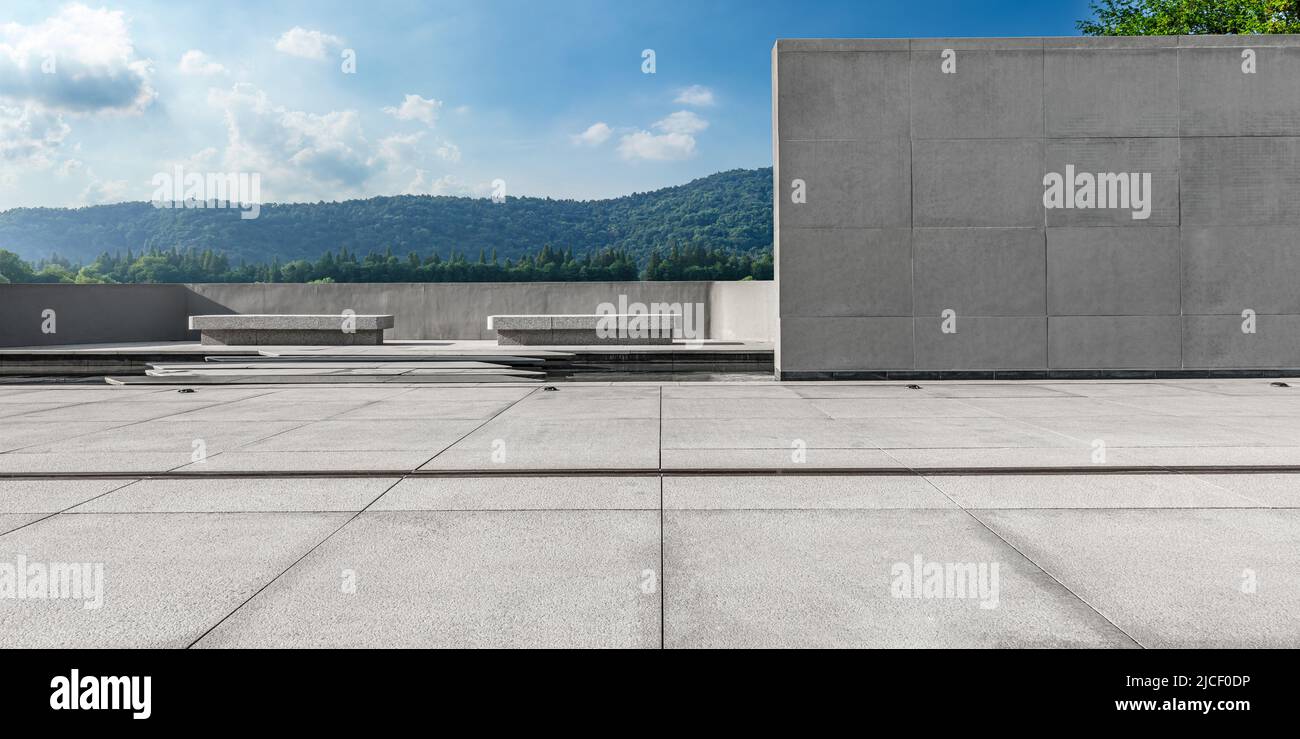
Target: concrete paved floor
648,515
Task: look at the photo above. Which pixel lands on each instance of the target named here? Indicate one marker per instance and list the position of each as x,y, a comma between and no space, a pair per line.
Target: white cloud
195,62
446,185
656,147
298,154
595,135
300,42
203,160
696,95
397,151
308,156
675,140
448,151
80,60
416,108
683,121
104,191
29,136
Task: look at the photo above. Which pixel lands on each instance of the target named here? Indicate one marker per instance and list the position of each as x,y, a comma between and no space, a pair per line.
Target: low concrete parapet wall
422,311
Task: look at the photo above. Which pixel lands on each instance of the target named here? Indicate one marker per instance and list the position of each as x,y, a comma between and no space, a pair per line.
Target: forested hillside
729,212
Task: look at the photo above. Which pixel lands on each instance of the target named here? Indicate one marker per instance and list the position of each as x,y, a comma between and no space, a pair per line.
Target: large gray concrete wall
116,313
924,192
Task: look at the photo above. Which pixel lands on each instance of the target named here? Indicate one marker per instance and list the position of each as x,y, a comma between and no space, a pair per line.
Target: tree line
548,264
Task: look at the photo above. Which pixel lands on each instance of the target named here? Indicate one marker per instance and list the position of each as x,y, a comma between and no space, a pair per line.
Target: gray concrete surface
659,514
924,193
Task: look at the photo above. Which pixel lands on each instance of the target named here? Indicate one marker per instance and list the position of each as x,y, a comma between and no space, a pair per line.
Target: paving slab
74,395
504,444
521,493
14,411
18,434
465,579
90,462
762,433
22,394
431,409
52,496
1086,491
330,461
361,435
13,521
1146,430
1205,456
467,393
1216,405
741,408
994,457
728,390
1119,389
897,408
996,390
166,578
599,391
788,458
1278,430
351,393
551,406
112,410
800,492
233,495
886,390
1173,578
200,396
264,409
1275,491
1251,386
829,578
174,436
956,433
1076,406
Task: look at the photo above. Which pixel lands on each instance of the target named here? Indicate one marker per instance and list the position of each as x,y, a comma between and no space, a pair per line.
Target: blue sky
547,95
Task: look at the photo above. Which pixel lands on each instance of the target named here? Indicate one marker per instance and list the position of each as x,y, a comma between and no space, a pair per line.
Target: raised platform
305,330
592,329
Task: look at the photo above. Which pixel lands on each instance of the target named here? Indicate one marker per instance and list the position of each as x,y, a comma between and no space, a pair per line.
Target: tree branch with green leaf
1191,17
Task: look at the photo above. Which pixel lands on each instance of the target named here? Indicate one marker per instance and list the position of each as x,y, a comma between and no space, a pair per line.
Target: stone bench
586,329
291,330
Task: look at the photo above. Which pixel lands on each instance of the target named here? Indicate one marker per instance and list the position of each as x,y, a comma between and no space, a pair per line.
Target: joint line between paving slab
1036,565
293,564
490,419
128,484
663,575
1039,567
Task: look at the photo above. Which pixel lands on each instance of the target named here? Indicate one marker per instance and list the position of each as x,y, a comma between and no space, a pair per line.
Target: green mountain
729,211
